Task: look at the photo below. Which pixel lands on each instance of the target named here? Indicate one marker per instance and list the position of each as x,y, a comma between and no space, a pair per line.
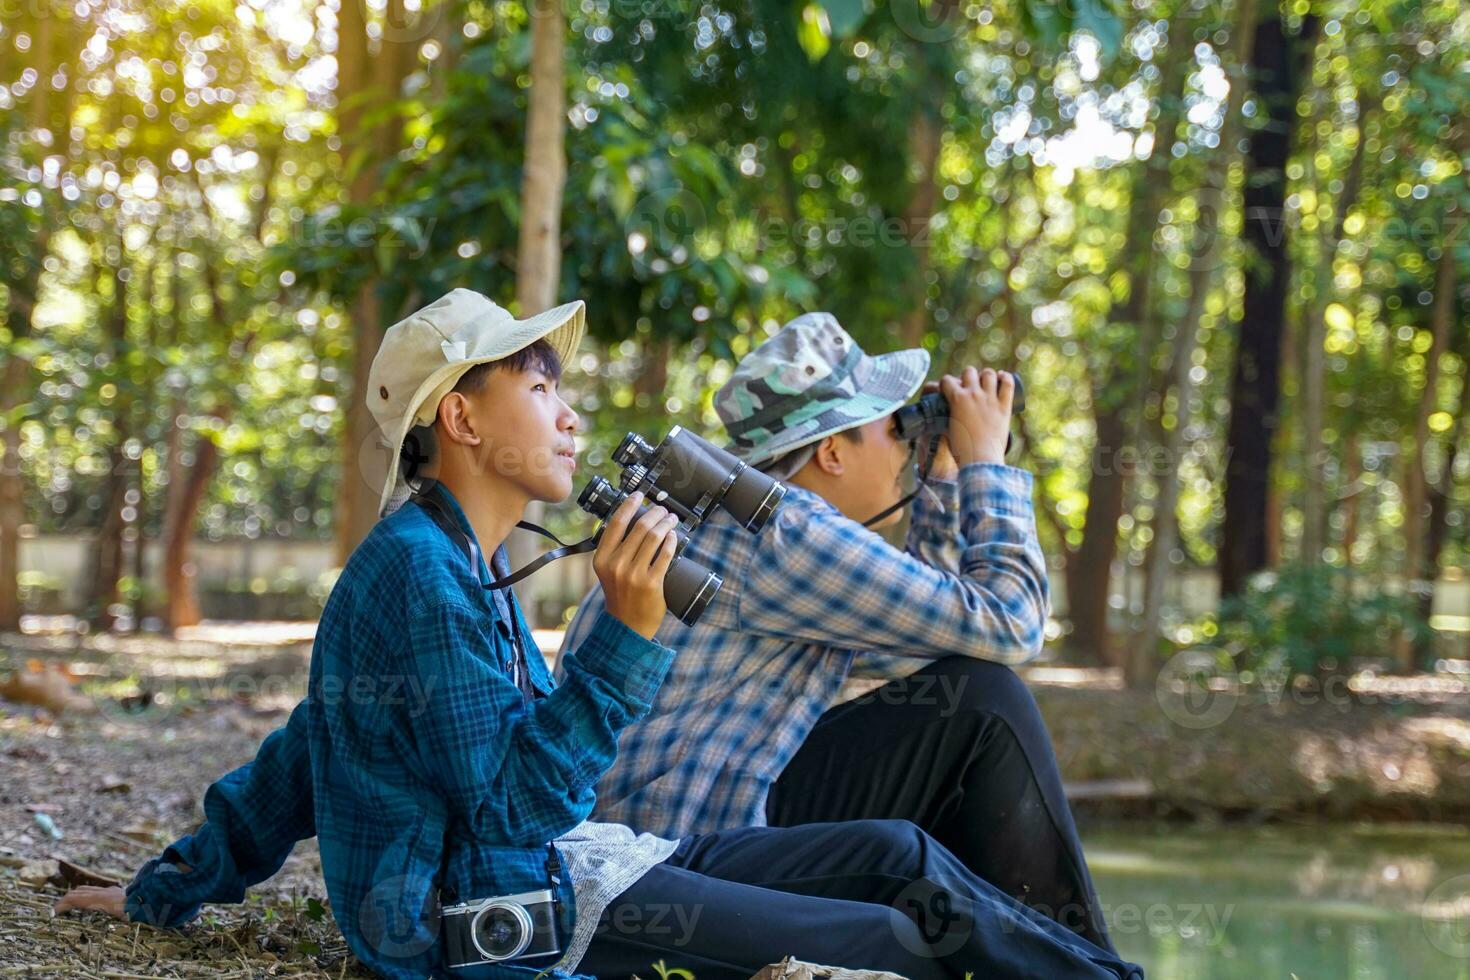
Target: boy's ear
830,457
455,421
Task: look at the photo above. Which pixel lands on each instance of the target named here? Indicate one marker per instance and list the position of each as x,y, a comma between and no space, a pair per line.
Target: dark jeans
864,894
960,749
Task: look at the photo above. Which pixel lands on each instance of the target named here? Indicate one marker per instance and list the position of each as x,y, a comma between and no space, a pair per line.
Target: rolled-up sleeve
822,578
254,816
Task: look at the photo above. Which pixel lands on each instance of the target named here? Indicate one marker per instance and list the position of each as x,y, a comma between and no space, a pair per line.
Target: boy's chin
555,492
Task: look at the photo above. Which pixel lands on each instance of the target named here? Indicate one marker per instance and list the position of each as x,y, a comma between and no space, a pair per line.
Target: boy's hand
943,467
110,900
631,563
979,414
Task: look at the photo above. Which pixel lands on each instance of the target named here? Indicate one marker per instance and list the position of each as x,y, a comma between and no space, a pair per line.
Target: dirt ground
117,793
108,786
125,777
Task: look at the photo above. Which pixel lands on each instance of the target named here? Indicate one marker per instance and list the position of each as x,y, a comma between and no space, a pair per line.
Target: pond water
1329,902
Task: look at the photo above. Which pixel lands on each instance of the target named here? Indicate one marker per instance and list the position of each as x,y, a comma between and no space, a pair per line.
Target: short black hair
418,448
539,356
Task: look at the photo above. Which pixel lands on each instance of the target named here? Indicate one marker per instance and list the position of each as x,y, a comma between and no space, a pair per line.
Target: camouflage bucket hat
807,382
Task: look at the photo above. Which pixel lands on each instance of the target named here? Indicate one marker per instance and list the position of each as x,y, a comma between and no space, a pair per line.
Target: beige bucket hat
423,356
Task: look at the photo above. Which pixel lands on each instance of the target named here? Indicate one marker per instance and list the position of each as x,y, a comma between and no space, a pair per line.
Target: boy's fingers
638,533
1007,388
987,380
617,523
664,557
971,377
653,541
88,897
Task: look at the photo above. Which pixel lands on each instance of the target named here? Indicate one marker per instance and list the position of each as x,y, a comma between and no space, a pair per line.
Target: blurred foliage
728,167
1314,620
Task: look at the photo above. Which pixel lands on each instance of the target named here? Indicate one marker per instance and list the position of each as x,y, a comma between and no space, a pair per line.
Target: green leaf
814,32
315,910
1046,22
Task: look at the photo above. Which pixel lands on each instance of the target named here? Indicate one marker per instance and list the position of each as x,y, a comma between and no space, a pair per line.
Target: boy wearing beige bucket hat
407,760
424,357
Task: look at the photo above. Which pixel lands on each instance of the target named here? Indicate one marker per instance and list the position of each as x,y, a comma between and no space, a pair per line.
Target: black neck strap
918,488
441,516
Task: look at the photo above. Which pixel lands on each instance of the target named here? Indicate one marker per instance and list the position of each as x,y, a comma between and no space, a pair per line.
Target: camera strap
576,548
436,510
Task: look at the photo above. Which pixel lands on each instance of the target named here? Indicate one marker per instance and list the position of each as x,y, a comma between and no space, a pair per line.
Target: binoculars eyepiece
929,416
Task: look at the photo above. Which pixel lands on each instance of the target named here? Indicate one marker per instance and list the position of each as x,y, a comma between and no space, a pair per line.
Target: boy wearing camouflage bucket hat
836,677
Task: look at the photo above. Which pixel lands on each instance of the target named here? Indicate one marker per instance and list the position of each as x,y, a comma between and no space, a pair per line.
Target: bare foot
109,900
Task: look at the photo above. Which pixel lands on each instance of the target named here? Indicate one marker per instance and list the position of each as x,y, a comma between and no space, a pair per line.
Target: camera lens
502,931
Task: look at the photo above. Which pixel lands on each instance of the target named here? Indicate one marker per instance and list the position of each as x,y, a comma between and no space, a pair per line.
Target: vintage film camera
493,930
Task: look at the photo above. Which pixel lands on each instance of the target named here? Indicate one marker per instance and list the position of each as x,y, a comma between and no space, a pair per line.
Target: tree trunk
181,605
1119,396
543,178
1209,229
1089,568
107,552
187,486
1353,472
145,405
23,297
365,464
1314,372
538,255
653,371
925,137
1441,500
1255,383
12,488
1419,576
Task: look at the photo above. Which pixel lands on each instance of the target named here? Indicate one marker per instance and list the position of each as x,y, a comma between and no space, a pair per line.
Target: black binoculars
688,476
929,416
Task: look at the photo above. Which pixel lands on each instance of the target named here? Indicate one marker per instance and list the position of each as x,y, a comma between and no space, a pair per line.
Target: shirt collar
457,515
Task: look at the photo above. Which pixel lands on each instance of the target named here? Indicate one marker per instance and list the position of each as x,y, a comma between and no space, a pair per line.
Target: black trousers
863,894
960,749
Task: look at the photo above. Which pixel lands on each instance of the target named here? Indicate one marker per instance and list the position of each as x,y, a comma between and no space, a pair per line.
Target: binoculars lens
688,585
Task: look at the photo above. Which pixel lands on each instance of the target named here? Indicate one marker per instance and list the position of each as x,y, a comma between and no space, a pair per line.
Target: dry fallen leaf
75,875
49,688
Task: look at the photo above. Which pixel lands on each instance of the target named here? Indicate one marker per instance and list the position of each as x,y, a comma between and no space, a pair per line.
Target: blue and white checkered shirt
815,608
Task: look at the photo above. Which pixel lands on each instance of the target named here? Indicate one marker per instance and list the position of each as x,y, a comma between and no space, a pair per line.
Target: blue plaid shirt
427,767
810,602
